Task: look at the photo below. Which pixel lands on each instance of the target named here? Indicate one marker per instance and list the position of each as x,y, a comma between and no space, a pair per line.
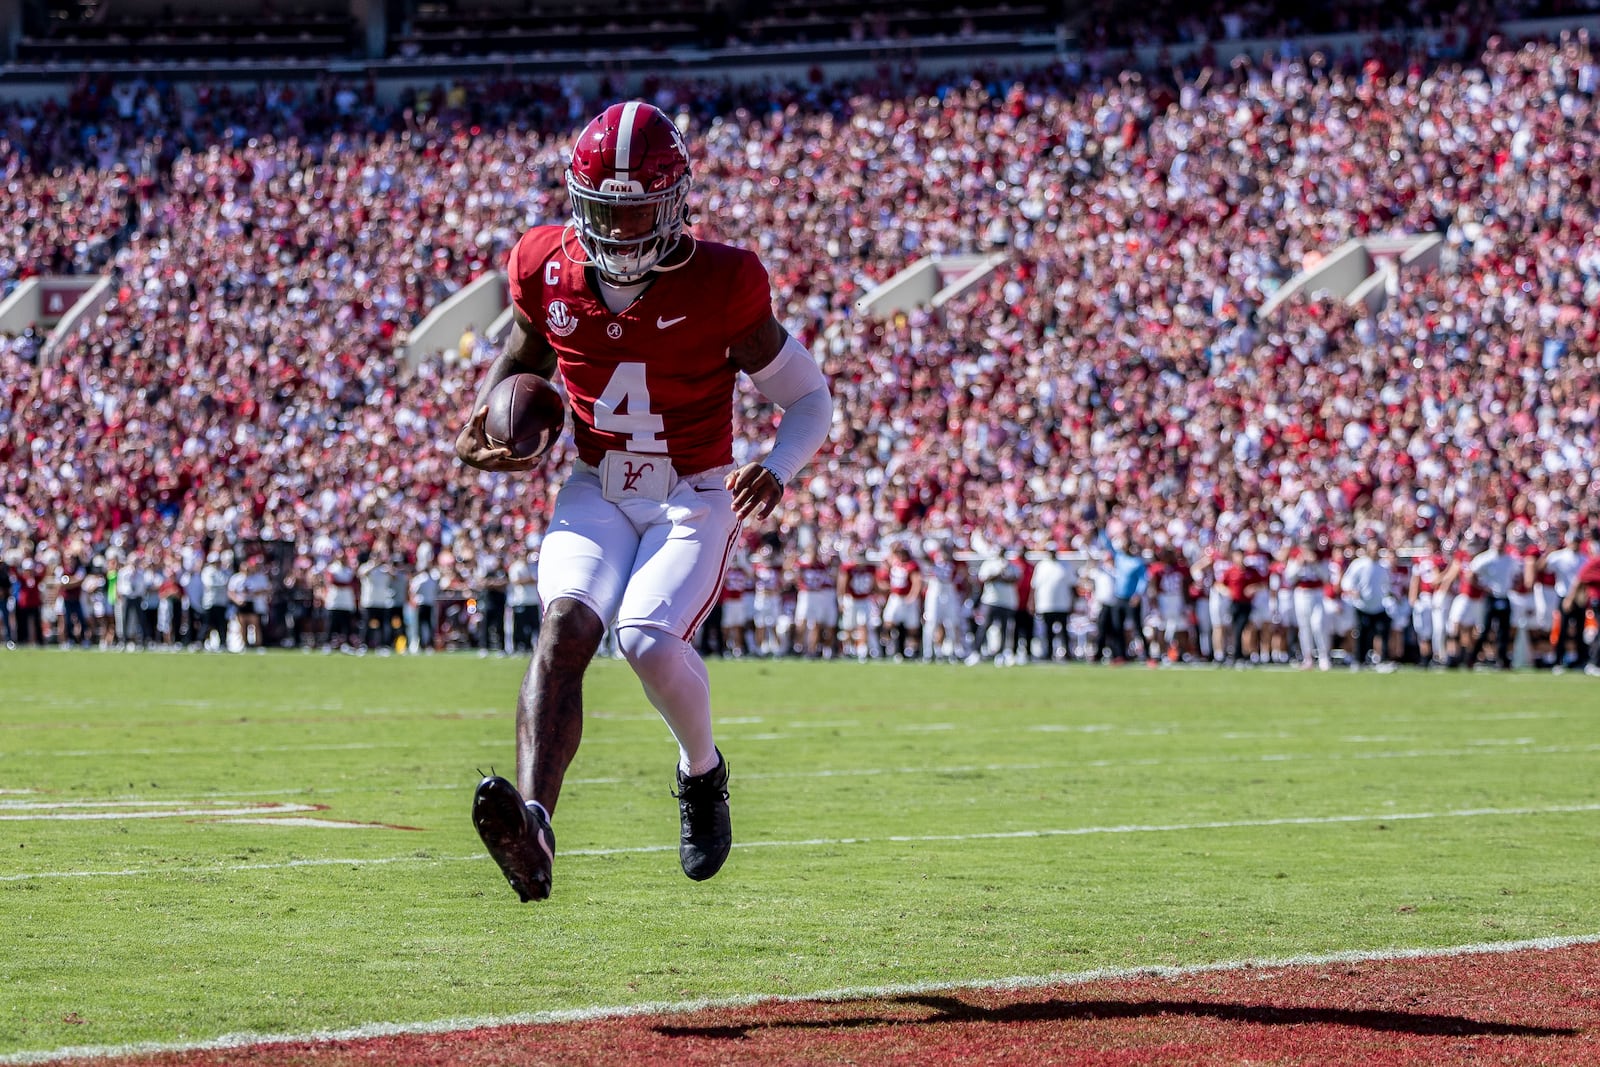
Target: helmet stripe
630,113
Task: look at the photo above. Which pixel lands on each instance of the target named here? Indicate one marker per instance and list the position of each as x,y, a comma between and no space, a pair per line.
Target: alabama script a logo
631,476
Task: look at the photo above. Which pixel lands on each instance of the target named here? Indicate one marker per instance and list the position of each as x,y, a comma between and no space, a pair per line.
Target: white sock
675,681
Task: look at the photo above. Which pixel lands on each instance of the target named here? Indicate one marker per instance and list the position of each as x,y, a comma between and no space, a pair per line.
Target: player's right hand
473,448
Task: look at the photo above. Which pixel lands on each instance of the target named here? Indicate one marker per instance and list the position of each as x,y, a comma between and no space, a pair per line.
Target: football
525,415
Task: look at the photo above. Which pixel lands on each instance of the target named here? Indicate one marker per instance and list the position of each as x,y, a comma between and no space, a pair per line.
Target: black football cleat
519,839
707,832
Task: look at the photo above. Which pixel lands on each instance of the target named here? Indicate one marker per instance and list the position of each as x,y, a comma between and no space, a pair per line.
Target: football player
1306,573
858,609
941,606
902,614
816,610
767,568
649,329
738,602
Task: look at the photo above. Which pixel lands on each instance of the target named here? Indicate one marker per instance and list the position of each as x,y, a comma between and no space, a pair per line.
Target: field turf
192,846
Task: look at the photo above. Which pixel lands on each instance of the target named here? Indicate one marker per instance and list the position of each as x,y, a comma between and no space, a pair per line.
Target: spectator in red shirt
1022,635
30,601
1241,582
1585,594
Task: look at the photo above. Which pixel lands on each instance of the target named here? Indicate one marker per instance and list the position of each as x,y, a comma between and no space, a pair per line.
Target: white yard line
73,805
908,989
158,813
826,842
1492,748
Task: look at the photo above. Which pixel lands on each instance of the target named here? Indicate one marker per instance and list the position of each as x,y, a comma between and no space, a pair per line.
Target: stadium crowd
1112,396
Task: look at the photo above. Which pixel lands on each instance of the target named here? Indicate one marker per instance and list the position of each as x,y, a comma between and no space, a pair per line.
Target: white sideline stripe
300,820
826,842
968,768
745,1000
1474,747
168,813
34,805
1479,748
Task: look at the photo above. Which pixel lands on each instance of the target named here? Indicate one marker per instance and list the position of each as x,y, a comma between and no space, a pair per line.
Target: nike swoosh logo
662,324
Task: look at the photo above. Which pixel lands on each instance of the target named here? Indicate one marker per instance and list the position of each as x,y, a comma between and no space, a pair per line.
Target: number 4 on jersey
627,392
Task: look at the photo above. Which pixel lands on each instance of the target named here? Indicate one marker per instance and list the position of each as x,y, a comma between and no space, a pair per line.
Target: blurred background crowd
233,446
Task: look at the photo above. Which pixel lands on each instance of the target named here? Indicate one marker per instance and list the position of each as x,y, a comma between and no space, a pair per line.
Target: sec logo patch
559,319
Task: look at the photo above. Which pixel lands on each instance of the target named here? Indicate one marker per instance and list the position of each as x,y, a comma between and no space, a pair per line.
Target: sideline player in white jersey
649,328
1429,604
1218,606
738,605
941,606
1306,574
1169,575
1398,605
902,613
1555,573
816,606
767,568
858,610
1466,614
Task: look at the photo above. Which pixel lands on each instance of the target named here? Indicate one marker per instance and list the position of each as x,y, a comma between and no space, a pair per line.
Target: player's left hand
756,491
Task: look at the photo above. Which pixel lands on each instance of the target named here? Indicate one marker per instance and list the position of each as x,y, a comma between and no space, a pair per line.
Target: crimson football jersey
1169,582
769,577
736,583
654,377
1469,587
861,579
1429,570
899,578
816,578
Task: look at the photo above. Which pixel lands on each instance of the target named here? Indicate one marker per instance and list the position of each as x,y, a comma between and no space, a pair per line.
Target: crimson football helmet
629,184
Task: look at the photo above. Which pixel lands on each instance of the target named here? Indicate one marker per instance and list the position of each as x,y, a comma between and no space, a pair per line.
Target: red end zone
1531,1007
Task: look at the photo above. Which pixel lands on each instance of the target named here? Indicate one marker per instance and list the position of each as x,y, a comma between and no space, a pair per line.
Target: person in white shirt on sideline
130,601
194,595
1055,585
999,576
258,594
1306,573
1496,570
424,589
941,605
1365,584
339,597
214,578
242,591
391,604
1102,586
377,603
522,596
1554,576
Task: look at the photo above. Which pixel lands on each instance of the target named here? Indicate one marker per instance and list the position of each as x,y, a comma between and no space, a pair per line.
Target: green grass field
896,823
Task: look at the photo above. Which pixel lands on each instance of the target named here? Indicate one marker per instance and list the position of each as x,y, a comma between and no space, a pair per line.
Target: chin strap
693,244
572,226
589,261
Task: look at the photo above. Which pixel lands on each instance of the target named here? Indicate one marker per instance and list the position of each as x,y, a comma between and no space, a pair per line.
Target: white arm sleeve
794,382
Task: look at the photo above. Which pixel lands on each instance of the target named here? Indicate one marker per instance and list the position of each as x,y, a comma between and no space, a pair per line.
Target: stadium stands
273,248
73,32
